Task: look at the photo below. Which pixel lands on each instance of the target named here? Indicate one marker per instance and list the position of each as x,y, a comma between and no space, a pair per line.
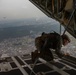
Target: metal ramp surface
23,65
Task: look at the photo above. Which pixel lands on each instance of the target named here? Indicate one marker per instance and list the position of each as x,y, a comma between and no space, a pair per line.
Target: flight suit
47,42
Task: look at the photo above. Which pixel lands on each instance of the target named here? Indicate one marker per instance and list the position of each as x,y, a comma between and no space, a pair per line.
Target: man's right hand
66,54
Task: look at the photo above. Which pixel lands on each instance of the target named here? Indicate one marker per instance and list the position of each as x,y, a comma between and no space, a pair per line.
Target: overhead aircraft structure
64,11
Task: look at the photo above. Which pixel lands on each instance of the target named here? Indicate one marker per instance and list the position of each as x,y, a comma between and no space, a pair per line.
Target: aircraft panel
60,10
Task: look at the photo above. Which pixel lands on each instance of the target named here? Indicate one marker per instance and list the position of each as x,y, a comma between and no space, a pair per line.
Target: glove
66,54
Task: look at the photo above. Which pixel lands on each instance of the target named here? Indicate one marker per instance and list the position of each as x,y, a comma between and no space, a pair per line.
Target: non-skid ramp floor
23,65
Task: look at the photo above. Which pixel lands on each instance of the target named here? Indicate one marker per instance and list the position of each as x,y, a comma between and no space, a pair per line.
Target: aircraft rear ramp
23,65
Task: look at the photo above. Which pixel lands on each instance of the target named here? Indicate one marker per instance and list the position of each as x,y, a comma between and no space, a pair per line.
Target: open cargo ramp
23,65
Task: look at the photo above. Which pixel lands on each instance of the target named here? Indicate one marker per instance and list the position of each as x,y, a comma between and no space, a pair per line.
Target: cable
69,21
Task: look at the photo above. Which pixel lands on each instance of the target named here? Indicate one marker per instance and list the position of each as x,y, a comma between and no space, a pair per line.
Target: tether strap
69,21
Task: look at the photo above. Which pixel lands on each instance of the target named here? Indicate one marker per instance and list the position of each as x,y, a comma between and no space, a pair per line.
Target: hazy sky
18,9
